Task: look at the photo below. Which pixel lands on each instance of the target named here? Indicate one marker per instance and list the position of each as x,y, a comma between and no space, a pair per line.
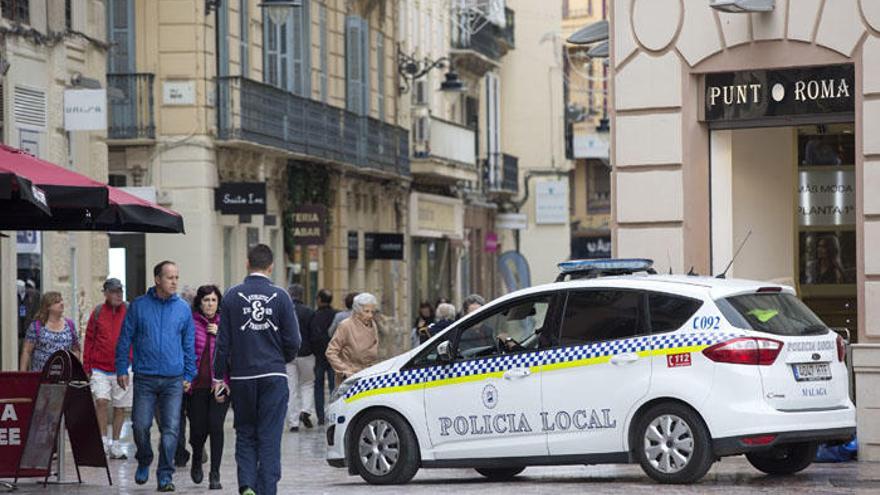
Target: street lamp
410,69
277,10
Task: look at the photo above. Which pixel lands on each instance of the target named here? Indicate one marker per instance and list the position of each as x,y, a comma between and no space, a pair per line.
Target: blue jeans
322,368
166,392
260,407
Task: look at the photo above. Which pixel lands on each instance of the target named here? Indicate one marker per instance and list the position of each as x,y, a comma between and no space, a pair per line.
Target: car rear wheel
784,459
384,448
500,474
672,444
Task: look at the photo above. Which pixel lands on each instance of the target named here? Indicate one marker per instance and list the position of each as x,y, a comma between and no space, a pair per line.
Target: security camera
743,6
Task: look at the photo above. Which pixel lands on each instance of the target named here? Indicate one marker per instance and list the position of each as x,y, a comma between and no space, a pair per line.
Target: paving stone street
305,471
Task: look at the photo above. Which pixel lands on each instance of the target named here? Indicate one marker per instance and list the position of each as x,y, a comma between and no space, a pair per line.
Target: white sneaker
107,444
117,452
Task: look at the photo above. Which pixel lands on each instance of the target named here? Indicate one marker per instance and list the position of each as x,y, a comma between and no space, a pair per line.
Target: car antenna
669,260
741,245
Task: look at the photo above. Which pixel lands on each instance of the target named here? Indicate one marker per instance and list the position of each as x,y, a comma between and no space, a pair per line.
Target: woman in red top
207,413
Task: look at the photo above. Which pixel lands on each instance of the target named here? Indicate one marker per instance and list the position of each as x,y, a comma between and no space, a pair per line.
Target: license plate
810,372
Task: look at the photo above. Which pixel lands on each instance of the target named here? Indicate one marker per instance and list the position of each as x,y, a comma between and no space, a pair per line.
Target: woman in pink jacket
207,413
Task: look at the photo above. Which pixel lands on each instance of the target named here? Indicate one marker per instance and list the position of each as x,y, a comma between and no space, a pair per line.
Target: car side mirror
444,352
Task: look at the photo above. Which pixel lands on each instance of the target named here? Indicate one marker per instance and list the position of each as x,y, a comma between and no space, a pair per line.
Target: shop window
16,10
598,188
253,237
600,315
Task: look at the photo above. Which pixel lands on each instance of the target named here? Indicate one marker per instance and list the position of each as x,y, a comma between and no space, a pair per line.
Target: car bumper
741,445
335,435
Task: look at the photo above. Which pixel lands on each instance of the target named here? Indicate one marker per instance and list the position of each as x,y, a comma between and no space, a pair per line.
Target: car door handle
625,358
517,373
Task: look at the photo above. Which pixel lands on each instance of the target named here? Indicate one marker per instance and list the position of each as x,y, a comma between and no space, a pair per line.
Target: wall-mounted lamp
277,10
412,69
212,6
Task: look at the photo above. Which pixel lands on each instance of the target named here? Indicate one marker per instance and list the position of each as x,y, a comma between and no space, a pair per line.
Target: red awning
63,187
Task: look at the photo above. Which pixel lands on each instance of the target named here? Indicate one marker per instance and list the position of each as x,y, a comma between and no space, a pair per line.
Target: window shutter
270,51
29,107
365,67
120,22
353,81
323,53
380,70
300,50
243,33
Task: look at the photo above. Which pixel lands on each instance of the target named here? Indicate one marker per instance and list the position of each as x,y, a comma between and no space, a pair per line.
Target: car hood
391,364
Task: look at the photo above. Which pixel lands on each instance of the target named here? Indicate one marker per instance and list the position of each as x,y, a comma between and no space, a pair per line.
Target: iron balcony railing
252,111
445,140
491,41
502,173
131,106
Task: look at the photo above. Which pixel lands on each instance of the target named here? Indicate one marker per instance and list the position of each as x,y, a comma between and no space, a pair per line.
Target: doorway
791,192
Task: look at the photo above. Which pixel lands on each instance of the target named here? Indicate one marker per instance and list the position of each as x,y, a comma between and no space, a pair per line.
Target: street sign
511,221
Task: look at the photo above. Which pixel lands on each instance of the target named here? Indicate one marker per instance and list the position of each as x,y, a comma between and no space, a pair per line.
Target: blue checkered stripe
532,359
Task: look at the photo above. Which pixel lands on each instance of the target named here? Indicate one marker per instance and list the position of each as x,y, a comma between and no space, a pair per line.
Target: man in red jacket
99,353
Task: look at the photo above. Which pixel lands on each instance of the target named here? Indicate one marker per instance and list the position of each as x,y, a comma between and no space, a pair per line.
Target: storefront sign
436,216
308,224
762,94
551,202
28,242
85,109
491,242
378,246
511,221
591,247
827,198
241,198
352,245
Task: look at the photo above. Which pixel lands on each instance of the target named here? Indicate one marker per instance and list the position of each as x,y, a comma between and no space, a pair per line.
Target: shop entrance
793,188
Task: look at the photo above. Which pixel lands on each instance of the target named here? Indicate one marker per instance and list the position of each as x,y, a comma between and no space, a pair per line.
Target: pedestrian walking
159,326
99,363
355,345
320,338
301,372
181,455
348,301
424,320
49,333
259,335
445,317
207,414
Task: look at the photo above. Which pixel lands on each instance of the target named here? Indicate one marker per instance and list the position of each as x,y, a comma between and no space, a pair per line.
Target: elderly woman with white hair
355,345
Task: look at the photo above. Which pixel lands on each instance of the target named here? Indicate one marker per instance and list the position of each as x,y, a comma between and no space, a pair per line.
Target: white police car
672,372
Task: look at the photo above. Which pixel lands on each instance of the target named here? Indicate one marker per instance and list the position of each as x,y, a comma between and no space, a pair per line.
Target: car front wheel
784,459
384,448
672,444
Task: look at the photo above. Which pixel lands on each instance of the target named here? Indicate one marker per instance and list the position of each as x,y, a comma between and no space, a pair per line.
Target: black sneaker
306,419
294,429
196,473
214,481
167,487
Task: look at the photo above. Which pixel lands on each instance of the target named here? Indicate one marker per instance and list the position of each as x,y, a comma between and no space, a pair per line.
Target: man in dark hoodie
301,373
320,338
258,336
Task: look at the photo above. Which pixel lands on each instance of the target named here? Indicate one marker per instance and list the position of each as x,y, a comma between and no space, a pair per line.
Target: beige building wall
74,264
671,43
533,126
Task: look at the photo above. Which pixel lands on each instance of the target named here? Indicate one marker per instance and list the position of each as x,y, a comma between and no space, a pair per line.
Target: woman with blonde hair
355,345
48,333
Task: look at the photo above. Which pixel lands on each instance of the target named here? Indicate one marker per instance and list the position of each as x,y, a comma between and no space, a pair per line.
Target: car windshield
776,313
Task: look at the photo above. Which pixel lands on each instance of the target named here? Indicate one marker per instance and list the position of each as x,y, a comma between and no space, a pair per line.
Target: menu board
40,442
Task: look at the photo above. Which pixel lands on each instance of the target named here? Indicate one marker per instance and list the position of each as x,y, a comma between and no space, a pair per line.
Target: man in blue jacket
258,336
159,326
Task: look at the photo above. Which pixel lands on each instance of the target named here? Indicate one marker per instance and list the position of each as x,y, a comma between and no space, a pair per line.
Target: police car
616,365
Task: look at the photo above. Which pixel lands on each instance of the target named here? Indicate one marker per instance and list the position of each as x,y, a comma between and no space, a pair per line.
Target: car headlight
342,389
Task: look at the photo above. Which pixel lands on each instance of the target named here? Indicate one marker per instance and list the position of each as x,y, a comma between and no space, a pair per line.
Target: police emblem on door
490,396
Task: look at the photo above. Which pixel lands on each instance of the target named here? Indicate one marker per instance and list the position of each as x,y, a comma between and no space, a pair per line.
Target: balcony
131,107
502,174
481,51
255,112
443,151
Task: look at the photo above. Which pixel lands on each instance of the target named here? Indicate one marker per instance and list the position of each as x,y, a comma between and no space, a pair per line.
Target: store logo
490,396
778,92
821,90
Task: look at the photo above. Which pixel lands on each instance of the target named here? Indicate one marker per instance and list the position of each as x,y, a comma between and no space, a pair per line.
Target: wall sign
85,109
379,246
179,93
491,242
551,202
240,198
827,198
308,222
762,94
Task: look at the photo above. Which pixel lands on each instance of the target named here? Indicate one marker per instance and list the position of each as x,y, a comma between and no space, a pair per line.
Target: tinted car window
780,314
516,325
670,312
597,315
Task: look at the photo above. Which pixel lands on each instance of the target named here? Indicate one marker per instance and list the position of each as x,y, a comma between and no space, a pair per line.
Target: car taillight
841,349
745,350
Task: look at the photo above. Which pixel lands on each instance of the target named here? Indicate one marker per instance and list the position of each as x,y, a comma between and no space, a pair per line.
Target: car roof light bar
595,268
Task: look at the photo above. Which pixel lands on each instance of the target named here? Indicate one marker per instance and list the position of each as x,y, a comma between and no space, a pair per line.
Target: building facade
47,48
756,130
587,134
